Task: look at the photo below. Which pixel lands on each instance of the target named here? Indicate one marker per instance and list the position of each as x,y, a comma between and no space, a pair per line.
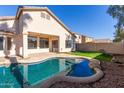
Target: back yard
97,55
113,73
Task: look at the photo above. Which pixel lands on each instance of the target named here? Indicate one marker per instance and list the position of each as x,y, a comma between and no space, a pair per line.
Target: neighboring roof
77,33
87,36
33,8
81,35
3,18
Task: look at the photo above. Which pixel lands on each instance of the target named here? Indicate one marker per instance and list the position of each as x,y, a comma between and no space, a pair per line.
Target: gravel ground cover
113,78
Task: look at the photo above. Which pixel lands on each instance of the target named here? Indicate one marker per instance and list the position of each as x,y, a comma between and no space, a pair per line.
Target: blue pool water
81,69
23,75
18,75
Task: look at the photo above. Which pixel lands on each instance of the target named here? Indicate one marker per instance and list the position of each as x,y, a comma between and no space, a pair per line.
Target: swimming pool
81,69
26,75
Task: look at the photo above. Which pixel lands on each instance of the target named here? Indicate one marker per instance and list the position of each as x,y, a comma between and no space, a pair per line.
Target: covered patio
38,43
7,43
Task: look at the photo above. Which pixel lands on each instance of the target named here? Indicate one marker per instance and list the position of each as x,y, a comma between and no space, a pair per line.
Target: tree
117,12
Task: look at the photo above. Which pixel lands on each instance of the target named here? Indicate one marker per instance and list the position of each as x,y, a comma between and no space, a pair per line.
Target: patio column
5,45
38,42
25,45
50,44
61,43
13,46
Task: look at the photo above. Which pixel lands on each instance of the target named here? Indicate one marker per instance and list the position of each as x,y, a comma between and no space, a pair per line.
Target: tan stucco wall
32,21
36,23
7,25
20,36
19,43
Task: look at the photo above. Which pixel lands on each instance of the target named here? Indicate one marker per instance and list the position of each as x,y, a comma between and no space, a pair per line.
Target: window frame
35,40
1,49
43,15
44,42
68,43
48,17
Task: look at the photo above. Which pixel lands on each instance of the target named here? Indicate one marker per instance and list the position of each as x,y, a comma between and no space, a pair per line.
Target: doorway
54,45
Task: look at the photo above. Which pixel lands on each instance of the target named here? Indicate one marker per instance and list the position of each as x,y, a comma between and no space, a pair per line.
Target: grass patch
97,55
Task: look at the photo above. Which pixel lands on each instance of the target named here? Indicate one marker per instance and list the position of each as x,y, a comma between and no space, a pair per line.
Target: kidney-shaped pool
26,75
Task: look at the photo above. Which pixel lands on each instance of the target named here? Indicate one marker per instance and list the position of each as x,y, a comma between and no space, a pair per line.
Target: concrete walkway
37,57
42,56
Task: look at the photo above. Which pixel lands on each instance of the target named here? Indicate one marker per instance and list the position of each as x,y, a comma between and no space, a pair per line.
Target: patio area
113,77
42,56
37,57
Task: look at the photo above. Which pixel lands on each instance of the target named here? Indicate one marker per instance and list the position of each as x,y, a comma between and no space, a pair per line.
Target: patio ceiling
42,35
6,33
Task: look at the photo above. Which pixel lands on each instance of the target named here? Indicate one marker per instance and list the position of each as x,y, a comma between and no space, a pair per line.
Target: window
9,43
44,43
1,43
68,43
42,15
32,42
48,17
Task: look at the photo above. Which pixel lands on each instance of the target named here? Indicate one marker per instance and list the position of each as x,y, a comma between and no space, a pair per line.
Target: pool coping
94,64
62,76
37,61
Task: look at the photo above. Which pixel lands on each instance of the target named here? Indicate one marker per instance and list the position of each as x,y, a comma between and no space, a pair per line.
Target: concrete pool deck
94,64
37,57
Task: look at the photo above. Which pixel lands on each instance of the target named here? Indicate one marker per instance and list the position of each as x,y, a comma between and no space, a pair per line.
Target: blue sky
92,21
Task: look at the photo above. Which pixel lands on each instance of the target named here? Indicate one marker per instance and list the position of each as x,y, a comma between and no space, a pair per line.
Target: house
82,38
87,39
34,30
78,38
102,41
